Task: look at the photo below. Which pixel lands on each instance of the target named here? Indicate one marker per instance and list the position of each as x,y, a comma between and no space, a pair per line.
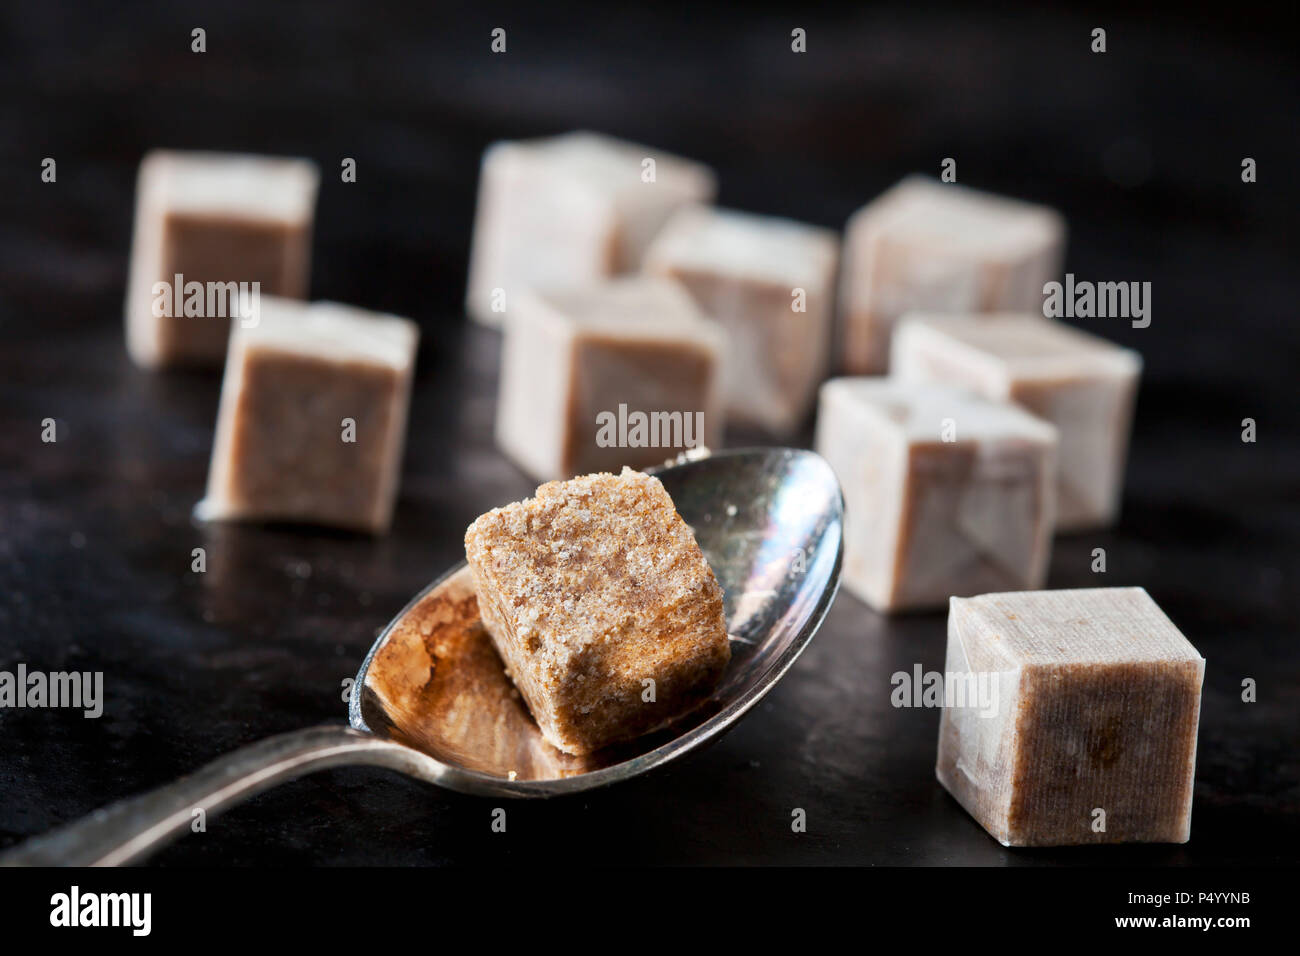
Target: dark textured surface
1140,148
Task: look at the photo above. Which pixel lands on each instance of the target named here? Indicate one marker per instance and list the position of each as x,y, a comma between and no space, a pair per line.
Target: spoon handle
131,828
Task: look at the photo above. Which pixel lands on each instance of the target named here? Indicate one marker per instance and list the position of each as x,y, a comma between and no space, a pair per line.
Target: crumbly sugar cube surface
590,589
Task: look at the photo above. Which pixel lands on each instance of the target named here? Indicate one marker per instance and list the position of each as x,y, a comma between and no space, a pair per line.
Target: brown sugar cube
771,284
940,247
1082,384
945,492
1083,725
569,210
602,606
208,225
312,417
622,372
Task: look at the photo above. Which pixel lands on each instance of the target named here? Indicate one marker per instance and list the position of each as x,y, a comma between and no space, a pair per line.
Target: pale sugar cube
771,283
569,210
1083,384
219,221
312,419
623,372
941,247
945,493
1083,722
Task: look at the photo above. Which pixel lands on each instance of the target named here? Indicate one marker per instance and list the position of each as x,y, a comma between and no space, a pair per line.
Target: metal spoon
431,699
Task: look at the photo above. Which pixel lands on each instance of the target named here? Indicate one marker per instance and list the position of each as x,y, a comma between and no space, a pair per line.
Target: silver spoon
431,699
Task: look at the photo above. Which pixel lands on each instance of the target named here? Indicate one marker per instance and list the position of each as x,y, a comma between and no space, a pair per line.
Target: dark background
1141,148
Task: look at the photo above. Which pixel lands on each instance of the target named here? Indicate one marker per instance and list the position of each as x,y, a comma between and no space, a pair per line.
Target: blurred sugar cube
212,219
620,372
928,245
1085,385
571,209
312,419
770,283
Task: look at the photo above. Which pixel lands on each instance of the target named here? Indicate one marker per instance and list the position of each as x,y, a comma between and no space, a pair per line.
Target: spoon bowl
432,699
769,521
